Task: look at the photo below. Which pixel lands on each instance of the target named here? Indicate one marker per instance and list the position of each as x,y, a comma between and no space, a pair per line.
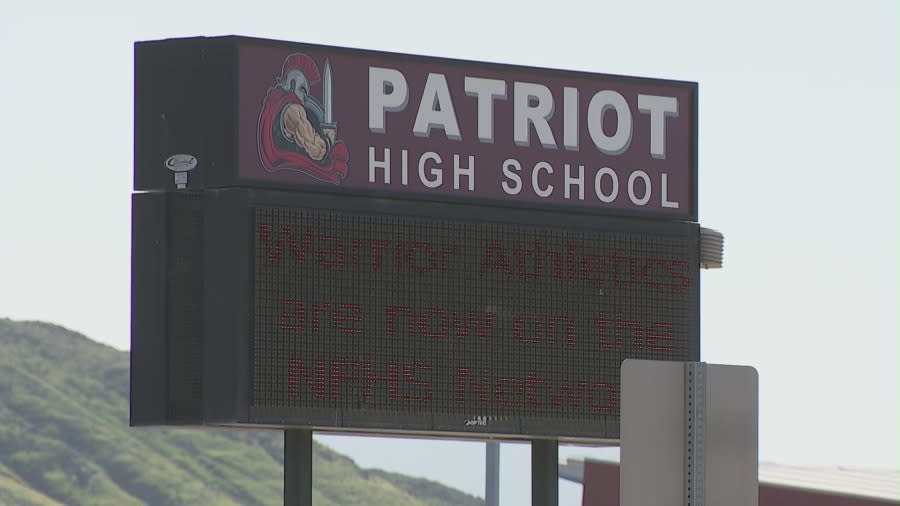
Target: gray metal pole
492,474
298,451
544,472
695,433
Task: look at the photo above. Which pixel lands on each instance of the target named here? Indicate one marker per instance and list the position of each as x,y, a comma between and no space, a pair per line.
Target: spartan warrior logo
296,132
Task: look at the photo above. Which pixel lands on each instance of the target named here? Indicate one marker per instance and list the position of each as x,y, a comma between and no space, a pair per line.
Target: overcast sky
798,168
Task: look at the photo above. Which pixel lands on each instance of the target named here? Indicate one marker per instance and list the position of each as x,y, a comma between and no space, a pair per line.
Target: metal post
695,433
544,472
298,451
492,474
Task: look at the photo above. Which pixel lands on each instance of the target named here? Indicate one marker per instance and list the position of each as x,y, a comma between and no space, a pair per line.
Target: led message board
303,310
235,111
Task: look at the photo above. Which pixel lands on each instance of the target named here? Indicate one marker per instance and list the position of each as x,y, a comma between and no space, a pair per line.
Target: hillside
65,439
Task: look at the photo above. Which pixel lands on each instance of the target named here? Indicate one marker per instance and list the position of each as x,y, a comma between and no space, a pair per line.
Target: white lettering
435,171
382,100
532,105
486,90
535,184
569,181
601,102
659,108
384,165
404,166
468,172
665,193
436,109
510,165
570,118
598,185
639,174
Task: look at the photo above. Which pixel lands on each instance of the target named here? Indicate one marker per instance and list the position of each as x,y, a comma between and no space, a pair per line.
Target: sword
327,97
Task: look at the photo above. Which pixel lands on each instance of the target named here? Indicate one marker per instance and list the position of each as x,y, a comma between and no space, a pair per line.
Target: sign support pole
695,433
545,472
298,452
492,473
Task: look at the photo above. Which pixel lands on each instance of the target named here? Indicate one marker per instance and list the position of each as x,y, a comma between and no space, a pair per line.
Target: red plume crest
303,63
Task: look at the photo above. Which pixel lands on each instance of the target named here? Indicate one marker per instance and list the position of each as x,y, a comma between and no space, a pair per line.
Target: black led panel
463,325
353,314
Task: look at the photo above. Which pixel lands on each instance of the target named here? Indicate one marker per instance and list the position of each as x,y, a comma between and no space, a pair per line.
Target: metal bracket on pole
695,433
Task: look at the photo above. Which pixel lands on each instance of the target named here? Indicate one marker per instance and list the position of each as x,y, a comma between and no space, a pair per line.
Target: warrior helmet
298,74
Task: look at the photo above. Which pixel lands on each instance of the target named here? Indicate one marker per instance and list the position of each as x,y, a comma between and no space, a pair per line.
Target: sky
798,167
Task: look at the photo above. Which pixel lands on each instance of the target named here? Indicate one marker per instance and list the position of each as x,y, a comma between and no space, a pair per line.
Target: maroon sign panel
388,124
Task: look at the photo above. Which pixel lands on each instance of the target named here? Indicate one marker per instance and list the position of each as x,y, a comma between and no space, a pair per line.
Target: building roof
850,481
861,482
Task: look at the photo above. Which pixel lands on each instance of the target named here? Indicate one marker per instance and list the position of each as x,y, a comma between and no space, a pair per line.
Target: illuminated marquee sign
353,314
233,111
363,241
